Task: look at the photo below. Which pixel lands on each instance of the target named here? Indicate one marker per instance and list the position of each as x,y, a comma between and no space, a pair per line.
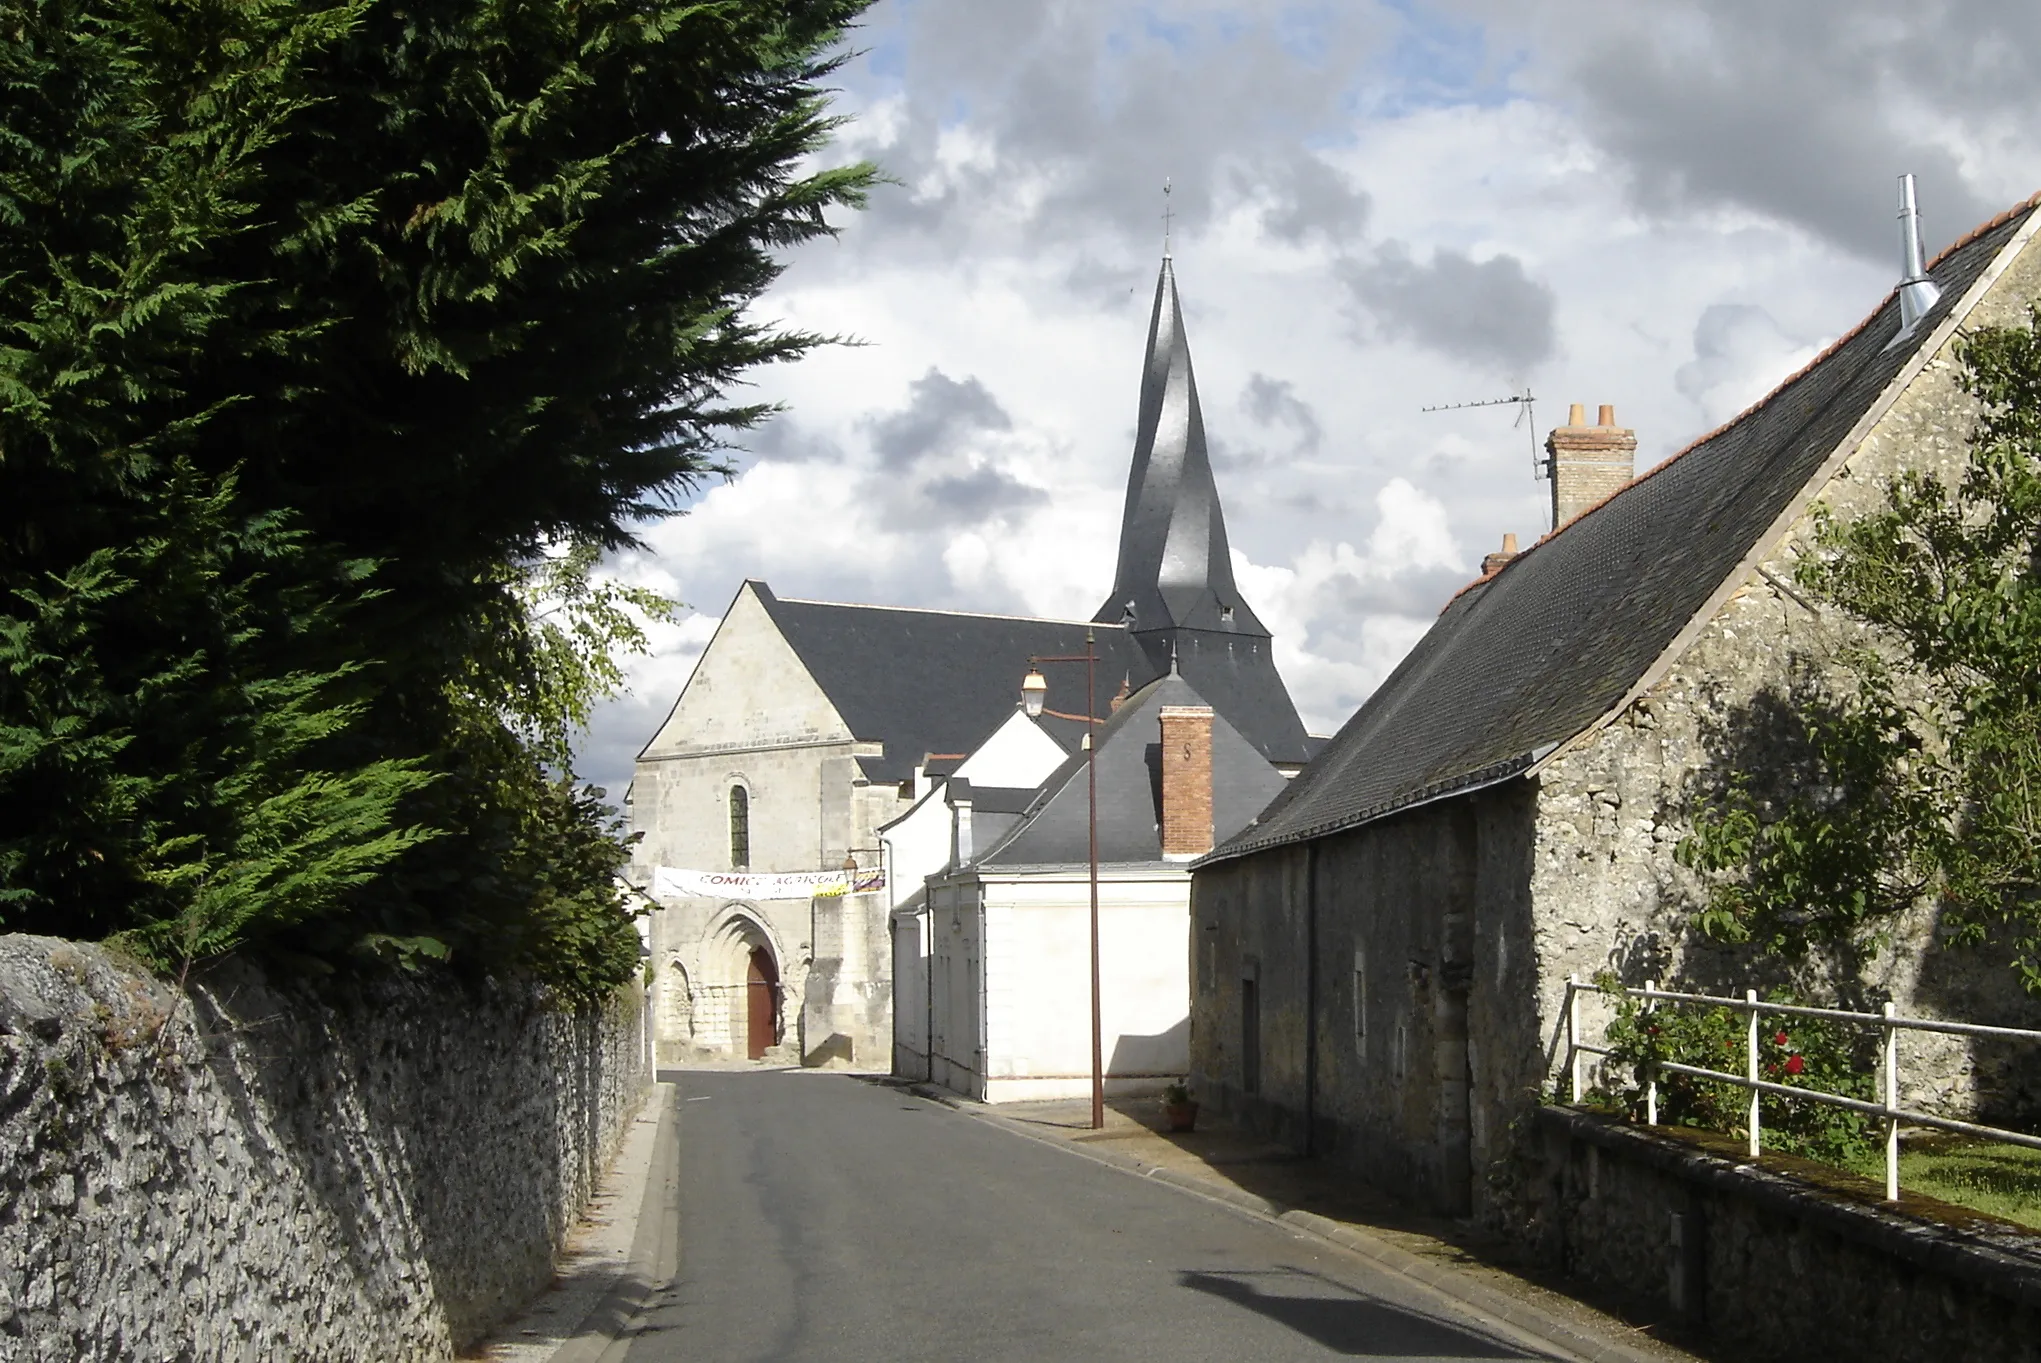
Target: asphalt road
826,1217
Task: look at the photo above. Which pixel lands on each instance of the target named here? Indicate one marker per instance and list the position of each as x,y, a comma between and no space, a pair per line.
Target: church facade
809,726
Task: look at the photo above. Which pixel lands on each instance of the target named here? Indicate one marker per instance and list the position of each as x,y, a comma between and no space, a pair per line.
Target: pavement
804,1214
1456,1258
599,1282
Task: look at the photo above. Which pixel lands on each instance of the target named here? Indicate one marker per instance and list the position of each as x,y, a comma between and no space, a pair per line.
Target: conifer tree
320,325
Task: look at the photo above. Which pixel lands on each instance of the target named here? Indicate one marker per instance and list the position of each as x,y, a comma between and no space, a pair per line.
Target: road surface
829,1217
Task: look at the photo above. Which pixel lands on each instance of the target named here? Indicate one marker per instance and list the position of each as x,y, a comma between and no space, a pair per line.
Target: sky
1376,206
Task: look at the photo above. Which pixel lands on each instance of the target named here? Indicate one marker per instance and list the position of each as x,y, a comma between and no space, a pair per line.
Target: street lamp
1034,691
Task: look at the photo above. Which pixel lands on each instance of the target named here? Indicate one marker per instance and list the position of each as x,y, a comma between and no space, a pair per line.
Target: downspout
1310,997
984,996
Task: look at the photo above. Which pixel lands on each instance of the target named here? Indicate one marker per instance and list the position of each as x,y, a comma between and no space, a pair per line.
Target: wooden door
761,983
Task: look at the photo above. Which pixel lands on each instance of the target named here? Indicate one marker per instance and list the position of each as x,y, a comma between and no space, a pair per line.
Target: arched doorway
762,1004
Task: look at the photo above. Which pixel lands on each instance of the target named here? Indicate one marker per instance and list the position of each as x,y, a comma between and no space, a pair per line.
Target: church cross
1167,214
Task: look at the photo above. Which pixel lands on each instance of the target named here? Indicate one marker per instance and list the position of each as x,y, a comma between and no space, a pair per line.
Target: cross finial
1167,214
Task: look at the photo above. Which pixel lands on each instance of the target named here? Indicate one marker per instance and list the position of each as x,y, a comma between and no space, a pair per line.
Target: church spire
1174,571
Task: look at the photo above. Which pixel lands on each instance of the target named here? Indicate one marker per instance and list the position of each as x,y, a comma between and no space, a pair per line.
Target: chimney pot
1588,464
1186,781
1576,415
1492,563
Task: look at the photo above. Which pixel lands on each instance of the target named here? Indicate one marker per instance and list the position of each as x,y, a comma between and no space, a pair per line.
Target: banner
673,882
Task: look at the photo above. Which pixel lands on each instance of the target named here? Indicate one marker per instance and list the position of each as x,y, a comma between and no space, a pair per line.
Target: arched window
740,828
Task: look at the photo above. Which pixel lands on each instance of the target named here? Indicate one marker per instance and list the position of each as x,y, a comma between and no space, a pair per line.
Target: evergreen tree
319,327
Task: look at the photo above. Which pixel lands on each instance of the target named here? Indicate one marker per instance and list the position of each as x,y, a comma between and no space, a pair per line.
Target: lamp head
1034,690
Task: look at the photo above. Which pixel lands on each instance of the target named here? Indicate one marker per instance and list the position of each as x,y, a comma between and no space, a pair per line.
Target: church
808,728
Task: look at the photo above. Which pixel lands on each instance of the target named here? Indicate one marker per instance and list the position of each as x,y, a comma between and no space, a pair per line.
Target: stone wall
1393,982
248,1170
847,1001
1613,805
1768,1266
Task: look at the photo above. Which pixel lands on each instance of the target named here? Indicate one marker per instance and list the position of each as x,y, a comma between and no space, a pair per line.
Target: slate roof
922,681
1532,655
1055,830
1174,566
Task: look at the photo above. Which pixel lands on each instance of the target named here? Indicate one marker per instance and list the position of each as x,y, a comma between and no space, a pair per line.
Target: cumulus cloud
1273,403
941,412
1802,112
1379,207
1740,354
1487,311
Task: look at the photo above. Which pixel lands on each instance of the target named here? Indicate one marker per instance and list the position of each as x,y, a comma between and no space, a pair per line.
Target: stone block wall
1766,1266
245,1169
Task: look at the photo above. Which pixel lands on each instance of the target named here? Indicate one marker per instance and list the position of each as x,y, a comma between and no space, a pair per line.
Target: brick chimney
1186,781
1588,462
1491,562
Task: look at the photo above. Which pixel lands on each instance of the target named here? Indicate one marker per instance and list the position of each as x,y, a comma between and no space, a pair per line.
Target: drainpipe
1310,997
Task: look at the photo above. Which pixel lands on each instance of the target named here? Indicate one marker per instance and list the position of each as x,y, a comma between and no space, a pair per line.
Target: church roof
1175,569
1056,832
1535,653
922,681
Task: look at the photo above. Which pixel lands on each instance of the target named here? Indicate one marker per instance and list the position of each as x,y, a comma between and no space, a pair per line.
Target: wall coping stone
1999,1256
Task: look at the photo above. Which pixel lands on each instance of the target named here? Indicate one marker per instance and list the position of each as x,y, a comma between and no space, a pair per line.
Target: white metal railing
1889,1023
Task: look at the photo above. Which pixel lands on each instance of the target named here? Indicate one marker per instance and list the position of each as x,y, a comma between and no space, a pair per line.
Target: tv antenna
1525,403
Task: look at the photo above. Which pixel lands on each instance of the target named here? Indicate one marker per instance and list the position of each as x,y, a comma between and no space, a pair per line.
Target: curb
1520,1316
604,1335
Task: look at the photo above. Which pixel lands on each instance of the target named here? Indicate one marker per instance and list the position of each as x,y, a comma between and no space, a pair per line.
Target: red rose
1779,1040
1795,1065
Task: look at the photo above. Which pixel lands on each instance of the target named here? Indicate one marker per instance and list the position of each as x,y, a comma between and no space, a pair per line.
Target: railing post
1891,1068
1750,1052
1651,1079
1573,1036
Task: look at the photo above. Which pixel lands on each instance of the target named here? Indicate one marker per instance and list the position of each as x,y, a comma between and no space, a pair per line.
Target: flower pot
1180,1116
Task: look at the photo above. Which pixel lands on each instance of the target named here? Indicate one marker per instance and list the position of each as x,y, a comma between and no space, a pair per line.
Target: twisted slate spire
1174,570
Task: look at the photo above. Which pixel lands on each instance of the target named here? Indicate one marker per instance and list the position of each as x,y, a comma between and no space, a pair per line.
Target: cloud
1740,354
1378,207
1274,402
1303,195
981,494
941,412
1487,310
1801,112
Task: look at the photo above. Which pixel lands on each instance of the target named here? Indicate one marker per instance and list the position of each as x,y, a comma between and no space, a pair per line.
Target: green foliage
578,626
1798,1052
1839,836
1953,574
1941,793
319,325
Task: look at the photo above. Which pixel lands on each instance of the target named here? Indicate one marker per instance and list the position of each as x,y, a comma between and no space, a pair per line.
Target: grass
1999,1180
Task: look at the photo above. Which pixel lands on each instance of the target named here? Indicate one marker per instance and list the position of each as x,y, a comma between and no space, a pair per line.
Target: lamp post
1034,691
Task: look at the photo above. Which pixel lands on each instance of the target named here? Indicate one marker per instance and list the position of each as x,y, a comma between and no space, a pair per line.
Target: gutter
1480,779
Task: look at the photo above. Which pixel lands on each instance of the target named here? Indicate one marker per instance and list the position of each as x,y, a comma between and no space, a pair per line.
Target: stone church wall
246,1170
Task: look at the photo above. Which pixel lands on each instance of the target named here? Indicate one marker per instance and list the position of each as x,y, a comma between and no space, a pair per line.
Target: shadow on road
1341,1319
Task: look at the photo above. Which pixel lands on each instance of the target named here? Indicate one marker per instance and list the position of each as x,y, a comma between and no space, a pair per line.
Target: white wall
1036,999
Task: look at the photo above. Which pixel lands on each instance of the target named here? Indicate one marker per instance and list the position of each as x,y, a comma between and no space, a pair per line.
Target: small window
740,828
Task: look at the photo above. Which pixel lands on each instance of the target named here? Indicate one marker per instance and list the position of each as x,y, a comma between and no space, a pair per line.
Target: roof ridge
938,610
2030,203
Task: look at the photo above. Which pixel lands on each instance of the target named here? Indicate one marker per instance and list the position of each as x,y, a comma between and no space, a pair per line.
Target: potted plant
1179,1109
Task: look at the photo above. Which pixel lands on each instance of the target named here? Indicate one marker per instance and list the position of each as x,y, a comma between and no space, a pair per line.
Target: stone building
807,726
1386,950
